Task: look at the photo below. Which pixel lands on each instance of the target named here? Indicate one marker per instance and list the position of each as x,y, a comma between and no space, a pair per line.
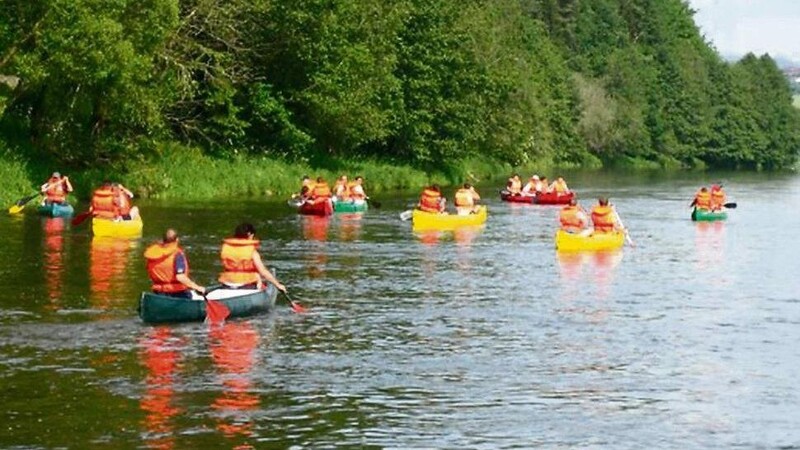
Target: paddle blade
80,218
730,205
216,312
406,215
15,209
296,307
374,204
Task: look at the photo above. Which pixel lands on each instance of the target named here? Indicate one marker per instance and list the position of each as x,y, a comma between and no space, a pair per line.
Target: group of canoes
110,209
317,198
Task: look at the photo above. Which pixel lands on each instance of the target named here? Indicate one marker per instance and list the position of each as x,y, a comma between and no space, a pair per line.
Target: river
480,338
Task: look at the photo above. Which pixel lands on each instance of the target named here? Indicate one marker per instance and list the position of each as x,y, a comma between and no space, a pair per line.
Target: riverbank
188,174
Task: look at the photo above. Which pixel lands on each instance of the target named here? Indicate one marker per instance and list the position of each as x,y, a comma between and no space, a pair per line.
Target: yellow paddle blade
15,209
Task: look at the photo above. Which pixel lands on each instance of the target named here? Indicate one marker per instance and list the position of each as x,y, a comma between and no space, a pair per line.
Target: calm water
480,338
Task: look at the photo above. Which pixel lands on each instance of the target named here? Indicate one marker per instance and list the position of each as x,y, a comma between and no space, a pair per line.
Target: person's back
431,200
465,199
102,204
241,263
573,218
702,200
341,190
559,186
356,189
544,187
603,217
718,197
531,186
168,268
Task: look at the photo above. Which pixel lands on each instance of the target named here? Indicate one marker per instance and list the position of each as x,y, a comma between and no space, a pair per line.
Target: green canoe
56,210
704,215
349,207
154,308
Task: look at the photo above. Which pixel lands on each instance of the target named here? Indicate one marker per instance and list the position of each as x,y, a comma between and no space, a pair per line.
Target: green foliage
425,84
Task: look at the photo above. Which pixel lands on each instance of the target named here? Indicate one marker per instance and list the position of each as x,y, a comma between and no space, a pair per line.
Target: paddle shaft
624,229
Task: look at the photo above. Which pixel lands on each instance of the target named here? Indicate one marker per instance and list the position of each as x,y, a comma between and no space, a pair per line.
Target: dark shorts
125,217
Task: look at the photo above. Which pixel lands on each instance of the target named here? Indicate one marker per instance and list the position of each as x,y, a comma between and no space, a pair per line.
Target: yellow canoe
598,241
422,220
121,228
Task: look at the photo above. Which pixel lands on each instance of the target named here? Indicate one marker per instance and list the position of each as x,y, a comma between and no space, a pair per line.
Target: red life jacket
702,200
603,219
571,219
430,201
103,203
237,261
56,192
160,263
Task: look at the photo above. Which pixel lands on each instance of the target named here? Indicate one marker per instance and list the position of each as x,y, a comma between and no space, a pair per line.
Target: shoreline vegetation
225,98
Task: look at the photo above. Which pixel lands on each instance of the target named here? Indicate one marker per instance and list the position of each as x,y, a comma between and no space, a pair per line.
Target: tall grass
14,180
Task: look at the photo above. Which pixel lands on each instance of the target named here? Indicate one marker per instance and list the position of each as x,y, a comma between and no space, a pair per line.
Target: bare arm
266,273
67,184
186,281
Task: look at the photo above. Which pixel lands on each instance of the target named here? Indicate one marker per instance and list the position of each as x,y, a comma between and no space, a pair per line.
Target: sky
737,27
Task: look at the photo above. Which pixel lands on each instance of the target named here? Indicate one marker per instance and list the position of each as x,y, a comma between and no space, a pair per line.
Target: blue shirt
180,263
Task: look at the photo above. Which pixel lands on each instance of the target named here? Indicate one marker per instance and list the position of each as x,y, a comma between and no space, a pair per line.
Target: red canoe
553,198
549,198
321,208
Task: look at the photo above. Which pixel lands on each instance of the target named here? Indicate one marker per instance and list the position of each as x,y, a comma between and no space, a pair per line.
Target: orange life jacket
56,192
160,263
321,190
356,191
464,198
103,203
717,199
571,218
702,200
514,186
122,202
603,219
237,261
430,200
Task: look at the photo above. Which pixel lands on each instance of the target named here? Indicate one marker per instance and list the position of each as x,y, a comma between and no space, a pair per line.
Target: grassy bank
188,174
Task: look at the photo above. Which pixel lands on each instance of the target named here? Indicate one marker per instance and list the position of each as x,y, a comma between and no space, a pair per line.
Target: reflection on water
709,243
54,259
591,272
233,347
315,229
108,271
349,226
160,354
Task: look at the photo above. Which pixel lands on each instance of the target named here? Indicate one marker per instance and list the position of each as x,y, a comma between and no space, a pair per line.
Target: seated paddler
168,268
242,266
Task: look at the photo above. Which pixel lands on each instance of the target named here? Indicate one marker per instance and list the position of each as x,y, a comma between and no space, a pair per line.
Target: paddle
624,229
731,205
20,204
373,203
216,312
406,215
80,218
296,307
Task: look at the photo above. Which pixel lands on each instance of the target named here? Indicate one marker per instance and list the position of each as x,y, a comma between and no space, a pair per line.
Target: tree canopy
425,82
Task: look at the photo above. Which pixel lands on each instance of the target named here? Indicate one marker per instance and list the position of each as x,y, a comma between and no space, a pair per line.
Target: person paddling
56,189
242,266
431,200
122,203
466,200
357,193
605,218
702,199
514,185
532,186
320,192
718,197
168,268
573,218
559,186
